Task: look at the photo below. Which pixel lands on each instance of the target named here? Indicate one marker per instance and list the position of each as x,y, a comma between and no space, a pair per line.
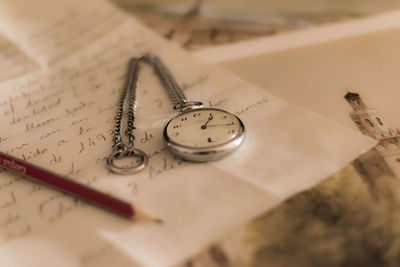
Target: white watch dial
203,128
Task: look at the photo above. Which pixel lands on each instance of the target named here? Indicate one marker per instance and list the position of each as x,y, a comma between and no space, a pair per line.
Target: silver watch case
197,154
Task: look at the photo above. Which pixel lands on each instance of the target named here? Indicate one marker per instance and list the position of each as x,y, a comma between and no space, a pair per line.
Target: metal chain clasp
186,105
141,160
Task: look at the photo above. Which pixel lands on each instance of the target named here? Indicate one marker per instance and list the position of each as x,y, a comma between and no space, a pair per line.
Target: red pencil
71,187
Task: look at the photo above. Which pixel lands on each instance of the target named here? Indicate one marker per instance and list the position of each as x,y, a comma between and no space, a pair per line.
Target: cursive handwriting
252,106
166,165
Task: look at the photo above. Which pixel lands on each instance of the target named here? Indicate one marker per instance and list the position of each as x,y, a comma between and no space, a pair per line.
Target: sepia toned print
62,119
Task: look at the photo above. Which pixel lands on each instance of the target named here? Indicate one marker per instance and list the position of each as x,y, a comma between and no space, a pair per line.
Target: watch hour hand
204,126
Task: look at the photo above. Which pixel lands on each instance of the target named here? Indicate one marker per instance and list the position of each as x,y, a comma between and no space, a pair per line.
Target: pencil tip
141,215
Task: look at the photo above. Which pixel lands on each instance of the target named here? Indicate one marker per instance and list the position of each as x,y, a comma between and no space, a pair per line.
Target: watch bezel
199,154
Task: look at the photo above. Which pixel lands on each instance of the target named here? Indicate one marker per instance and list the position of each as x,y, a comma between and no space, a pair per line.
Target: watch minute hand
225,124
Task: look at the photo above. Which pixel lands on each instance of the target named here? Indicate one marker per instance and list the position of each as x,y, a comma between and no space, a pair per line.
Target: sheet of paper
13,62
61,119
301,38
363,65
48,31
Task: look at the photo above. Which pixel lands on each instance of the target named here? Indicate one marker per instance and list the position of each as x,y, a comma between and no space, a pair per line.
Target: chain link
129,88
167,80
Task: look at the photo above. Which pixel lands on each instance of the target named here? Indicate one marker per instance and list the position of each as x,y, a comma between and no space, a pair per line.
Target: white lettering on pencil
14,166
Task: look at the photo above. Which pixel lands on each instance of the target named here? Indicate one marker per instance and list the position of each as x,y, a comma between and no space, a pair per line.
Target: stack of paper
58,113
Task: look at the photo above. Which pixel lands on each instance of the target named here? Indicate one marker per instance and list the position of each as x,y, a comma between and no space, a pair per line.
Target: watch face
206,131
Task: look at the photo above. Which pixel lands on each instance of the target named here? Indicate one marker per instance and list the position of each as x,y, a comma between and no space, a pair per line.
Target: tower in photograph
384,158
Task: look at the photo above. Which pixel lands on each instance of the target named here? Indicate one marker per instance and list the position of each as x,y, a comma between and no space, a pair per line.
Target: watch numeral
224,117
196,115
209,140
177,126
231,131
184,119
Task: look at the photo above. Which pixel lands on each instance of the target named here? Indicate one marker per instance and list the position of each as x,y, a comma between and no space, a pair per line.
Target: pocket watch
203,134
196,133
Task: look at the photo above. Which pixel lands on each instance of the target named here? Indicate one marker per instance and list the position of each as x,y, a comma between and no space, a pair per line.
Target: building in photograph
384,158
